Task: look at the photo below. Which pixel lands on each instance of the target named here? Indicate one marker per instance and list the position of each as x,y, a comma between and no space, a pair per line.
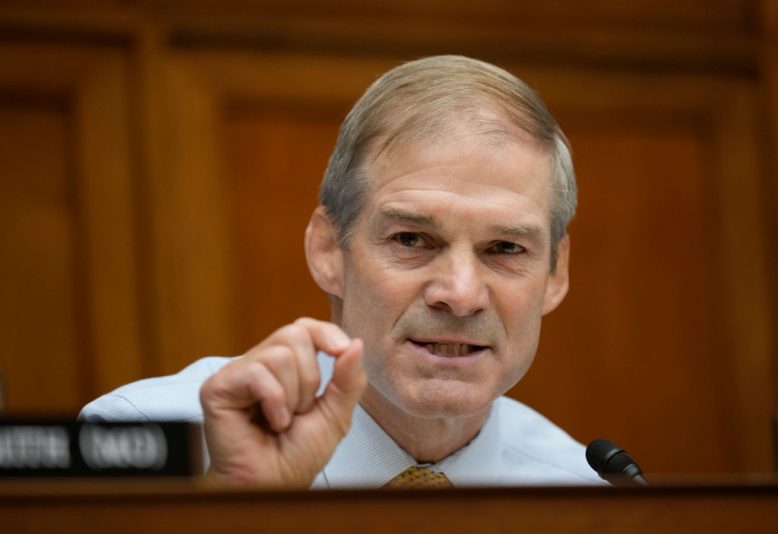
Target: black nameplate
46,448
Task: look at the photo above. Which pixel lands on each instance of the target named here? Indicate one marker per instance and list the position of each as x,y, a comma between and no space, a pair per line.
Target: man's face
447,274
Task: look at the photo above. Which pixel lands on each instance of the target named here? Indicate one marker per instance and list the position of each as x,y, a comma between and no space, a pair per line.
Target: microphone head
596,453
612,463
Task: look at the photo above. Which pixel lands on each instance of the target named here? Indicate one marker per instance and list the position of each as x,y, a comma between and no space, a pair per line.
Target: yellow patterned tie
419,477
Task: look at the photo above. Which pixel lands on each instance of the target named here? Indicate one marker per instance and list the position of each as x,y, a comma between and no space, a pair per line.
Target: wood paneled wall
159,160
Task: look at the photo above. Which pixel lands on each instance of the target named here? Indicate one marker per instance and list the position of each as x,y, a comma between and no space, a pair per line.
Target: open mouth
449,349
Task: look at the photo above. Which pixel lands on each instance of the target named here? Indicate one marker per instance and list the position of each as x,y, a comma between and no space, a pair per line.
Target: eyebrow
524,230
408,217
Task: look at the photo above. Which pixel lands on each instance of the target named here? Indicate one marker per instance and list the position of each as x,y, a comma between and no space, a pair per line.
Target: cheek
372,302
518,305
521,317
381,289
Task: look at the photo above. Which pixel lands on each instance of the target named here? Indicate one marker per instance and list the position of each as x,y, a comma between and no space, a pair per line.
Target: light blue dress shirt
516,445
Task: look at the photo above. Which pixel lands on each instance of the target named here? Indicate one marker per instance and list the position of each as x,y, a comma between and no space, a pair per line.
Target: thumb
348,379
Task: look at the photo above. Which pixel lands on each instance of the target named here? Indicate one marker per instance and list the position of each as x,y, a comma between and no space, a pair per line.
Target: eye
506,248
408,239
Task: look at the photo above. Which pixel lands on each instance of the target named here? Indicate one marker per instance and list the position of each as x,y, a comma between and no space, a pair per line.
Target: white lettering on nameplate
136,447
31,447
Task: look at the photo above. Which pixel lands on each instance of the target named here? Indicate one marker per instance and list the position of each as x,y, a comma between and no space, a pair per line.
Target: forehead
466,174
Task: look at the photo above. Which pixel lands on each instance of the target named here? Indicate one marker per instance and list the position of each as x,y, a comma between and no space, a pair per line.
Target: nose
457,285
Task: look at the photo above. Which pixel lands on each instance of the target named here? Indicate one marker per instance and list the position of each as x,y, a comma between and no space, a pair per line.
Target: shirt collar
369,457
478,462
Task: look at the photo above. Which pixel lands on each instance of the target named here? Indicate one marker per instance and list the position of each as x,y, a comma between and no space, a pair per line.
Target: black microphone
613,464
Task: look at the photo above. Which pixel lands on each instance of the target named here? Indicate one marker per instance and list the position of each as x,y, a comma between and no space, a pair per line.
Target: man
441,241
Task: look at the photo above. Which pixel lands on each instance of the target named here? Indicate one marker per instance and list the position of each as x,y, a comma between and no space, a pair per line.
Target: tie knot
419,477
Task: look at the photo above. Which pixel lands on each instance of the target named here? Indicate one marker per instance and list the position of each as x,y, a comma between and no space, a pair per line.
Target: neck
428,439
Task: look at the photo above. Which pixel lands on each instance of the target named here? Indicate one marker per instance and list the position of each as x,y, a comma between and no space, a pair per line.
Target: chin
432,402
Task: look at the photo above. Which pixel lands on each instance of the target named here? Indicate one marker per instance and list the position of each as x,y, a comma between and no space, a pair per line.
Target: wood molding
695,34
92,86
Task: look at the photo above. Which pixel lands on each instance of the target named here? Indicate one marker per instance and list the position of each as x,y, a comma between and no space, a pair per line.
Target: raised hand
264,425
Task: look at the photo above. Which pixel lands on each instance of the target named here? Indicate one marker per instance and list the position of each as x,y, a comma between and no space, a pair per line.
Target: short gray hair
417,100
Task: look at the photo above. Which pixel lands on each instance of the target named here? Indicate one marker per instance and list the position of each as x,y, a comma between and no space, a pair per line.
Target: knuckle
277,356
207,391
256,349
274,395
218,381
259,374
293,331
304,322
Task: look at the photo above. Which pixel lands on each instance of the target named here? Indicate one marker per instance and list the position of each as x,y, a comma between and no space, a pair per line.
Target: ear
559,280
324,255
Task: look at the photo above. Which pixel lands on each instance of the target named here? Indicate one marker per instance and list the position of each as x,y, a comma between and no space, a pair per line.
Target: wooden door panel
70,328
275,164
41,329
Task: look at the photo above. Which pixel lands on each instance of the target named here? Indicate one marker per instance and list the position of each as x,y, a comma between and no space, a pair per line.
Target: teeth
448,349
